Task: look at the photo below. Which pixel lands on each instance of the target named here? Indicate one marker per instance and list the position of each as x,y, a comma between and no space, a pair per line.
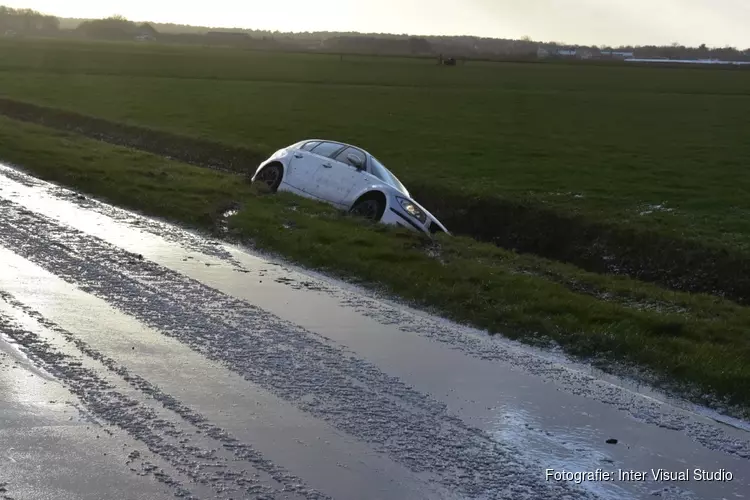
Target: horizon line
416,35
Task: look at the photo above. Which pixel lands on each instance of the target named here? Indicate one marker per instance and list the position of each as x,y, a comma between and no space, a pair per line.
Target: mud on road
201,370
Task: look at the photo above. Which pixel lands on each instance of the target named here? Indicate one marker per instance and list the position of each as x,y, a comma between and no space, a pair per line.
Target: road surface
142,361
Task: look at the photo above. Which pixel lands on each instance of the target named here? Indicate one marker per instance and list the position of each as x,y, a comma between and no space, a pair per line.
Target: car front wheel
370,208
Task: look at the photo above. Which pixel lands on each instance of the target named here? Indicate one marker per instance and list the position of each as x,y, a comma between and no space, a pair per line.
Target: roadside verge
696,344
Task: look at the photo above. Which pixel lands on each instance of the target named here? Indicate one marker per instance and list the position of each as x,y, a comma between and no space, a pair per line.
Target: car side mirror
355,160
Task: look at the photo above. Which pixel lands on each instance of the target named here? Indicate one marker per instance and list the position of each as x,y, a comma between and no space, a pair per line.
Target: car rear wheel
369,207
271,176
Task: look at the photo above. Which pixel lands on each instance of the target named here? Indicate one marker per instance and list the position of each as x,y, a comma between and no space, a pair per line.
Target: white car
347,177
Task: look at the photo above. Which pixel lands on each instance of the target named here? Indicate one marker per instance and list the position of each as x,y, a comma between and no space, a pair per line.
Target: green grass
697,342
602,141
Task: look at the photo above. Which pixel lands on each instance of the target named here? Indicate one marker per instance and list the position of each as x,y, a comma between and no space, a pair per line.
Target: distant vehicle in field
451,61
348,178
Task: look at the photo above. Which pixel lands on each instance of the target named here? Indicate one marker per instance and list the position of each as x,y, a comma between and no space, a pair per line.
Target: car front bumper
394,216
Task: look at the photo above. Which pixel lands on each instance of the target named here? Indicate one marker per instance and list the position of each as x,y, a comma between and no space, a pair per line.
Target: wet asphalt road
140,361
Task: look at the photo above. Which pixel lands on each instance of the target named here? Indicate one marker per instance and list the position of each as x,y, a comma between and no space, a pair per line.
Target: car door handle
298,155
327,165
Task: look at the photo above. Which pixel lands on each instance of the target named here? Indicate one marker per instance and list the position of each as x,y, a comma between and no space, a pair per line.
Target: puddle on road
553,427
50,442
26,389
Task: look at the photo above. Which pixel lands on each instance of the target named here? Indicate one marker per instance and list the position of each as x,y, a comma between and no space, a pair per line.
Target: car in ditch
348,178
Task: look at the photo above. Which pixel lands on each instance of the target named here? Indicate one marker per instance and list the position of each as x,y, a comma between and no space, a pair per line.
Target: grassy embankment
694,342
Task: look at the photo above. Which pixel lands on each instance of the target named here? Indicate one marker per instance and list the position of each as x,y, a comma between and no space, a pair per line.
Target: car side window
327,149
309,145
343,157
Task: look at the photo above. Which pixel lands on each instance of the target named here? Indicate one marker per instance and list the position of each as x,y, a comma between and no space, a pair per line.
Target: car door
302,166
306,162
337,178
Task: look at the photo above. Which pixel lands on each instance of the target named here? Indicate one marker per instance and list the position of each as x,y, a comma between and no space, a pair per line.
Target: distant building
585,54
614,54
545,52
566,52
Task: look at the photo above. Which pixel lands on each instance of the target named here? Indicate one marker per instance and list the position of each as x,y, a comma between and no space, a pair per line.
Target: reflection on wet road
135,356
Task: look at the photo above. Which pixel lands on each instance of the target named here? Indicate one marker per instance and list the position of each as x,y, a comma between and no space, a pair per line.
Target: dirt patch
673,263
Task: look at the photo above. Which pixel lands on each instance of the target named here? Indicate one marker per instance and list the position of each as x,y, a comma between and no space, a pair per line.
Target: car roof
305,141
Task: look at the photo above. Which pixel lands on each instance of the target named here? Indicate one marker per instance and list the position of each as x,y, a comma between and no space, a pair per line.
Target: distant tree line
377,45
115,28
677,51
26,21
463,47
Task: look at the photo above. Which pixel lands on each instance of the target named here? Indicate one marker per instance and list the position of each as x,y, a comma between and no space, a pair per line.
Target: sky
716,23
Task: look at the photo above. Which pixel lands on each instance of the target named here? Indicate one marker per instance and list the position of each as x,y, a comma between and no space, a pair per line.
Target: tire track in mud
98,395
210,467
298,366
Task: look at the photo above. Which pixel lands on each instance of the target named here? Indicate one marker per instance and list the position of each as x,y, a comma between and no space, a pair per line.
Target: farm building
615,54
566,52
543,53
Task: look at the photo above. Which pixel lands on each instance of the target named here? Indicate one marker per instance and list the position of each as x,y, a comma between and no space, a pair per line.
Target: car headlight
412,209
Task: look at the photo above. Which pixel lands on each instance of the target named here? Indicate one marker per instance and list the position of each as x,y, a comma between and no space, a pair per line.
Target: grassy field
608,142
647,151
695,343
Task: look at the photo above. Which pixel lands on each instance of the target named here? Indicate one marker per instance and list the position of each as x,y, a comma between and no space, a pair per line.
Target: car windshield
385,175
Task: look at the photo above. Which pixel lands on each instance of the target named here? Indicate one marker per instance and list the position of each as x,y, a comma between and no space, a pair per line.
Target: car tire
271,176
370,206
